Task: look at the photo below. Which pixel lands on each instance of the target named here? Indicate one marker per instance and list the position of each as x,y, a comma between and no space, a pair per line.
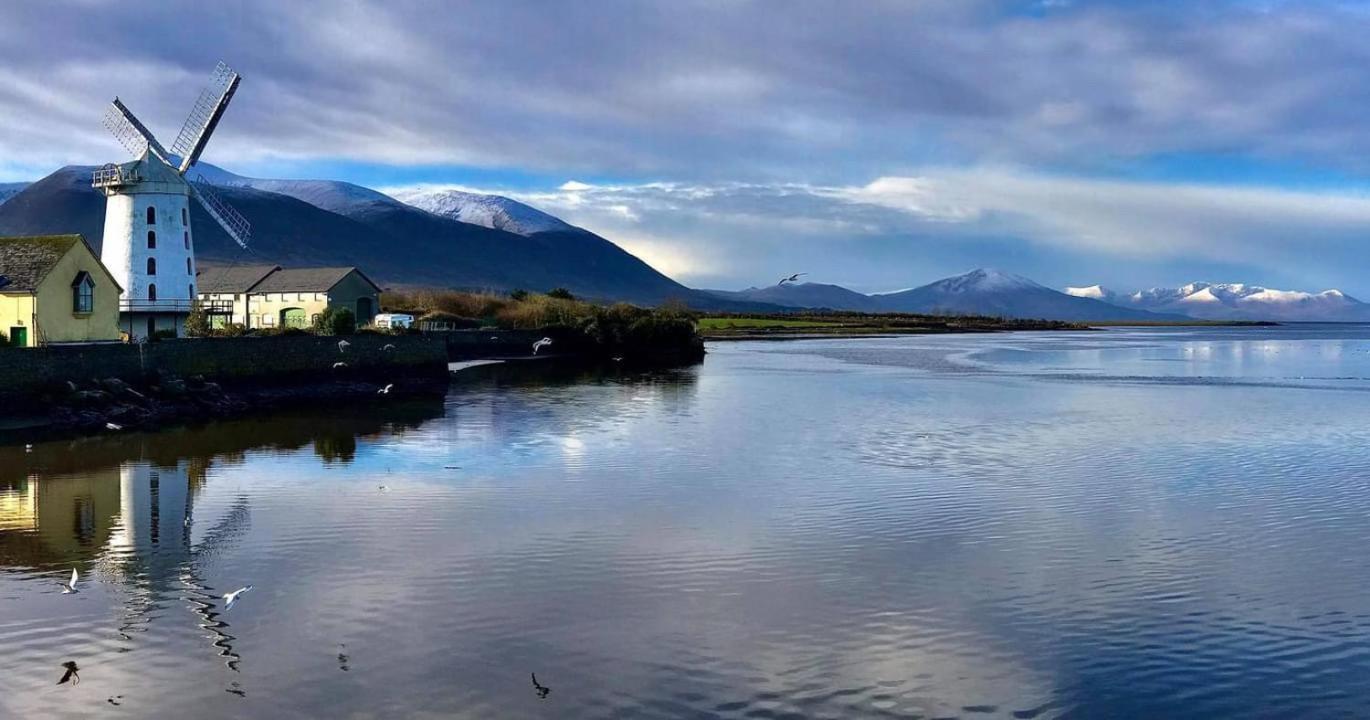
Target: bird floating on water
69,588
542,690
71,674
28,448
793,278
343,345
383,488
541,344
232,597
385,390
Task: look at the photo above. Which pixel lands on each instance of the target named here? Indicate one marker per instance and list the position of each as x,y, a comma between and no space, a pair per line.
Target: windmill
147,240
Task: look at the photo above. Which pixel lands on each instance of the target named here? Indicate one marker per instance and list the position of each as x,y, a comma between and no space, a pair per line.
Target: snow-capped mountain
492,211
1240,301
994,292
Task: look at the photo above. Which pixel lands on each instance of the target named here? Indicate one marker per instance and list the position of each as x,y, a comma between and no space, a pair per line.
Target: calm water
1134,523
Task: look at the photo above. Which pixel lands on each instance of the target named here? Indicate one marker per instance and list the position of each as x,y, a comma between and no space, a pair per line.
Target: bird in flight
793,278
70,676
339,365
542,690
69,588
232,597
343,345
385,390
541,344
388,347
113,426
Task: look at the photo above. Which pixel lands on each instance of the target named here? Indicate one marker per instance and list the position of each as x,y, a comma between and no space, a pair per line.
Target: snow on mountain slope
331,195
1240,301
1093,292
9,190
492,211
997,293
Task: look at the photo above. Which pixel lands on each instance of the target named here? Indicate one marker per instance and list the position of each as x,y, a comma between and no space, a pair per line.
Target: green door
293,317
19,336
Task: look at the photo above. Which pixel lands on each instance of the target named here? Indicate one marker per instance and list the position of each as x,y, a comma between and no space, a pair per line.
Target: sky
877,145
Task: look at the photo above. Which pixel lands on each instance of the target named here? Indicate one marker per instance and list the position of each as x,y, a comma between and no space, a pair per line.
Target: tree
197,322
560,293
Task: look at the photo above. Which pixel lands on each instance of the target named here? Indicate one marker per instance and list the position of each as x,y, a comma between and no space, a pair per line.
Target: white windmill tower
148,244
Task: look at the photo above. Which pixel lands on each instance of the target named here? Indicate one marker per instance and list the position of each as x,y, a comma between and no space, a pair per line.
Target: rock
114,386
92,398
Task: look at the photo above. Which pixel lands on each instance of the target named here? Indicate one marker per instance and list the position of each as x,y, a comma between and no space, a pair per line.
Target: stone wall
29,372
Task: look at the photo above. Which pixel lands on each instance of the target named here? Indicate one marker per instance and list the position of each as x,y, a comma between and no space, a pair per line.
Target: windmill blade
229,219
205,115
132,134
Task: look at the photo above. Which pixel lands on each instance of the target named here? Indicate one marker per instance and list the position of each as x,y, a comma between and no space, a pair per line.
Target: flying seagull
793,278
541,690
388,346
343,345
385,390
70,675
338,365
69,588
541,344
383,488
113,426
232,597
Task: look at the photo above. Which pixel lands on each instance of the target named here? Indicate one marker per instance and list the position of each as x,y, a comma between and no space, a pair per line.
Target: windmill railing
113,176
176,305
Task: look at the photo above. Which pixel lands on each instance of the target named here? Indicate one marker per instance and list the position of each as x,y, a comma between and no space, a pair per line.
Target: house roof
307,279
26,261
232,278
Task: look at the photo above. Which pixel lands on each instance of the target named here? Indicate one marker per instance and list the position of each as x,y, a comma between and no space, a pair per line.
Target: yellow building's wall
265,309
16,310
56,321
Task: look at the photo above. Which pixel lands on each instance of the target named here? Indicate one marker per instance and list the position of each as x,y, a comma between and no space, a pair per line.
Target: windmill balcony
114,176
174,305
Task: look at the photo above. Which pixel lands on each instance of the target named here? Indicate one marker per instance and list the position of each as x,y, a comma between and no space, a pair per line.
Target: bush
161,335
280,331
518,295
230,330
197,322
335,321
560,293
4,340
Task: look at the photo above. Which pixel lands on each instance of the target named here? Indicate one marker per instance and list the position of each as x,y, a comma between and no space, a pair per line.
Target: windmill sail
228,218
130,132
205,115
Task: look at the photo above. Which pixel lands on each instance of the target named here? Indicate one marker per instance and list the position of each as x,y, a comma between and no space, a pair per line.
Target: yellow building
268,296
53,289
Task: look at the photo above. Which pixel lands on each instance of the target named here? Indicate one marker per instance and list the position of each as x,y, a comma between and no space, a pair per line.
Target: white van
393,320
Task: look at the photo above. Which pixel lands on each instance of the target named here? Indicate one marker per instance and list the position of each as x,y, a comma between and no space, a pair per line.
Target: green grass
725,323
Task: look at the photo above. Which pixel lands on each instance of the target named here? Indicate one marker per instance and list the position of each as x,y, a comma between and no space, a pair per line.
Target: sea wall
31,372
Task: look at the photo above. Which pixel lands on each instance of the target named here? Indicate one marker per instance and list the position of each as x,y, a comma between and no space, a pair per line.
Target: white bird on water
343,345
541,344
232,597
69,588
385,390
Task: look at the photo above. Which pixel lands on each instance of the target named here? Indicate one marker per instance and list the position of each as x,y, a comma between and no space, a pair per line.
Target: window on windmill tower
151,215
186,237
152,266
152,292
185,217
188,272
151,240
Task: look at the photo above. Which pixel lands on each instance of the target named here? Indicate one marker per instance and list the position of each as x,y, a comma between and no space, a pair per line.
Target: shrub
230,330
560,293
197,322
4,340
335,321
160,335
518,295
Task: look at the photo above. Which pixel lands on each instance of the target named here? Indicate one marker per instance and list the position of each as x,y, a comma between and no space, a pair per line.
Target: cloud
901,230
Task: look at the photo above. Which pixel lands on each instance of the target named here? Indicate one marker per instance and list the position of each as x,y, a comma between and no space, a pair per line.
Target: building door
293,317
151,326
19,336
363,311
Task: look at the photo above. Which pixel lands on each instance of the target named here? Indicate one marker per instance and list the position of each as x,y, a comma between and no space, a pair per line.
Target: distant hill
1240,301
492,211
979,292
804,295
324,222
9,190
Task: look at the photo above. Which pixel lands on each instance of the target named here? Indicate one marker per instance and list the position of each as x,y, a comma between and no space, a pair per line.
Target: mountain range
459,239
327,222
1235,301
979,292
